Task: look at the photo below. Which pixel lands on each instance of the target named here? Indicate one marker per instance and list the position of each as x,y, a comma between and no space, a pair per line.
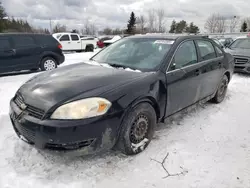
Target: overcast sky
115,13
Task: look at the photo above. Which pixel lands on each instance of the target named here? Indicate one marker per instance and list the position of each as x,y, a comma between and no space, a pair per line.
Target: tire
132,141
221,91
89,48
48,63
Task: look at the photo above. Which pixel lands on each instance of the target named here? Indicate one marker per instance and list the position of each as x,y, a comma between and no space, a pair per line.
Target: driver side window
185,55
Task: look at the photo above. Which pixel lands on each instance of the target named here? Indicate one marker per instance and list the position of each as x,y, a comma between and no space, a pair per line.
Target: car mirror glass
173,66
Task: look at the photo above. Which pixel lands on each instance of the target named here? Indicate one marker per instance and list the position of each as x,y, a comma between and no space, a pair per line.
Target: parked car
240,49
73,42
107,40
225,41
115,99
114,39
218,42
29,52
101,39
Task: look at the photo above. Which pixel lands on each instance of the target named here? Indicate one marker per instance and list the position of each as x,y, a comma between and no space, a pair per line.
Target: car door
27,54
65,42
6,55
75,42
183,78
211,67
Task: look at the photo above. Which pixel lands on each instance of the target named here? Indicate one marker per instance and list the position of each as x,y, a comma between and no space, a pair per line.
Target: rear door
27,51
65,42
75,42
211,66
183,78
6,55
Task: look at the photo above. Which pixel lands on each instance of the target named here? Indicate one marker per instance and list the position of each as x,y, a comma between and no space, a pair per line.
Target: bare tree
151,20
59,28
89,28
107,31
216,23
221,24
142,23
161,20
211,23
233,23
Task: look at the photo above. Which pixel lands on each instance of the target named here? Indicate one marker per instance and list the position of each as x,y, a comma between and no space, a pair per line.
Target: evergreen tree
173,27
181,26
2,15
244,27
192,28
131,24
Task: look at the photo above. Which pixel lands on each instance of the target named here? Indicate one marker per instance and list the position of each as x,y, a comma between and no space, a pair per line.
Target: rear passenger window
74,37
218,51
206,49
22,41
185,55
64,38
4,43
46,40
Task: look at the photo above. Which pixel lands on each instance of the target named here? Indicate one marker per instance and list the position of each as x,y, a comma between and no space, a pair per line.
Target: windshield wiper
120,66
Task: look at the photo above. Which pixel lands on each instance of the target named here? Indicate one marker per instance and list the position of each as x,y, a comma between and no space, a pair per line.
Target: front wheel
48,63
221,91
137,129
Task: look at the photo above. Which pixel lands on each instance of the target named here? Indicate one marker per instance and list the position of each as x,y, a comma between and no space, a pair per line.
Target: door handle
13,51
78,42
197,72
68,42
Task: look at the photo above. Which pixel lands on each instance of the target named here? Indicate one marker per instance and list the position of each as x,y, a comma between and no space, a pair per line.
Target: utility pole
50,24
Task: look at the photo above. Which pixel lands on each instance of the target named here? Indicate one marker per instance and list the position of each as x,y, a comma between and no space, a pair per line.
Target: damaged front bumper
71,137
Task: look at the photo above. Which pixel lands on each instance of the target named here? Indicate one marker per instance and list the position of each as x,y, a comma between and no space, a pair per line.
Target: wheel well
153,103
51,56
228,75
89,45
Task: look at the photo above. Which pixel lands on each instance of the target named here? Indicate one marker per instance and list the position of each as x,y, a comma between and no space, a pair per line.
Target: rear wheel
48,63
137,129
221,91
89,48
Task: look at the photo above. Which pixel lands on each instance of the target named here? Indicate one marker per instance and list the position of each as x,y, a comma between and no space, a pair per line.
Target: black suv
29,52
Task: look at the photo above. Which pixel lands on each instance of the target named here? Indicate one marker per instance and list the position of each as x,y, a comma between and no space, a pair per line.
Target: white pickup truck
73,42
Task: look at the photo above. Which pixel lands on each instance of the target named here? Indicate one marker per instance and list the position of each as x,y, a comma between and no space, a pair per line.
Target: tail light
59,46
100,44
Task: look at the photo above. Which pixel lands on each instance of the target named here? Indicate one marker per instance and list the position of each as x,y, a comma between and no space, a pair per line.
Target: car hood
238,52
47,89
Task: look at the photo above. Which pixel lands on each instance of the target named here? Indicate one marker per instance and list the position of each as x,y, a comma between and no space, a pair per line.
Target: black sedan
115,99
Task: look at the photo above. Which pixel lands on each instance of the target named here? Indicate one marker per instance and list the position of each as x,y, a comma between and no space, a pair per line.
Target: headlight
82,109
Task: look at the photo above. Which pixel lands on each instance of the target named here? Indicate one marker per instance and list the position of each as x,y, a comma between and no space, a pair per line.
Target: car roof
170,37
9,34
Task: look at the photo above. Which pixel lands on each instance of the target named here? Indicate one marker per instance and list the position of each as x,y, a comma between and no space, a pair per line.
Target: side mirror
173,66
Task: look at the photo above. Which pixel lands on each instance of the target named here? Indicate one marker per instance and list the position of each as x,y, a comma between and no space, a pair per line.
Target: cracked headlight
81,109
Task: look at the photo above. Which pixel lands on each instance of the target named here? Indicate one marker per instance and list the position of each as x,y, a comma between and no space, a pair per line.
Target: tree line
217,23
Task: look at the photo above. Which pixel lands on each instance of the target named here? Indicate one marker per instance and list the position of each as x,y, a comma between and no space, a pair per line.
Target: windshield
243,43
217,41
143,54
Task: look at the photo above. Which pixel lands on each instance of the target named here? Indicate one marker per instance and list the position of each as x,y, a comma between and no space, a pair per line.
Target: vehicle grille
240,60
28,133
69,146
31,110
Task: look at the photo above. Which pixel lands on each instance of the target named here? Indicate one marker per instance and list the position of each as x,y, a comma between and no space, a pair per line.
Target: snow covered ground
211,146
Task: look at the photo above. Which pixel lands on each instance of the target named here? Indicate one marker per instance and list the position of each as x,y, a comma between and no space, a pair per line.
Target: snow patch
140,145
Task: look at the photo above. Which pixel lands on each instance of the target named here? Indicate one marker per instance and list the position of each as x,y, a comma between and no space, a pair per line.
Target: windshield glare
143,54
241,43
